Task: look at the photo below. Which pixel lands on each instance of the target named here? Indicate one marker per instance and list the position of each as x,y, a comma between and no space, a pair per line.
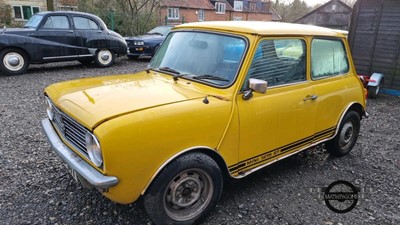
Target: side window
56,22
328,58
279,61
82,23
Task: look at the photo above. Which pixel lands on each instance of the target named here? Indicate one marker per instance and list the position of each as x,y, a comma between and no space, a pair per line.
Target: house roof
322,6
196,4
275,14
264,28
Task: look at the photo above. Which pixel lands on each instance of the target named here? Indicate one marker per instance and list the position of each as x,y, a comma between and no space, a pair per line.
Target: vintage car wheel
347,135
373,91
13,62
185,191
104,58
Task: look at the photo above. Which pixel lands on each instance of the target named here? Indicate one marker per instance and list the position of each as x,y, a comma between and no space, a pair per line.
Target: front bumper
84,169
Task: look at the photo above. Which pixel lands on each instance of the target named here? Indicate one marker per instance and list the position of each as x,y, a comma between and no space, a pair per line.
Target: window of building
328,58
238,6
56,22
82,23
173,13
200,14
252,6
279,61
24,12
220,7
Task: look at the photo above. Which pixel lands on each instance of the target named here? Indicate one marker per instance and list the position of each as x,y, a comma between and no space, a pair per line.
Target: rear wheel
13,61
185,191
104,58
347,135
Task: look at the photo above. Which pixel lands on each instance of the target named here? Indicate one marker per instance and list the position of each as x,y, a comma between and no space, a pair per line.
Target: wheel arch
212,153
19,48
354,106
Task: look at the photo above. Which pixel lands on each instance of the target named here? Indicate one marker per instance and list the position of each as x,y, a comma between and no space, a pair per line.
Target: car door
333,82
280,121
60,37
89,34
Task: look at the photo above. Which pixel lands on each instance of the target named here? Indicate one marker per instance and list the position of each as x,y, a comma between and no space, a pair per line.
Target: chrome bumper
75,162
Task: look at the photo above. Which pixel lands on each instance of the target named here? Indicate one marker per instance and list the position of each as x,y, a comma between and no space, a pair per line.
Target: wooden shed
333,14
374,38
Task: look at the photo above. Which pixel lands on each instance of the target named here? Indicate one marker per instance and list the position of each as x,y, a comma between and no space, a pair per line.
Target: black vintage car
59,36
147,45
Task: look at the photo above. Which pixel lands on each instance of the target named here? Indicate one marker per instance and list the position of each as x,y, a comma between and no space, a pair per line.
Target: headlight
49,108
93,148
138,42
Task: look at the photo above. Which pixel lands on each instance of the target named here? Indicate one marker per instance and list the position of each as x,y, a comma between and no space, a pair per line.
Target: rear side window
82,23
328,58
56,22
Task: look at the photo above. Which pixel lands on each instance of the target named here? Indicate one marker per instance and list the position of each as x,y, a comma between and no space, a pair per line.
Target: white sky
309,2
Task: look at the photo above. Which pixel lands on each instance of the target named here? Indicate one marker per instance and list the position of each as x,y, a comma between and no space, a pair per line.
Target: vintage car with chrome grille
59,36
218,101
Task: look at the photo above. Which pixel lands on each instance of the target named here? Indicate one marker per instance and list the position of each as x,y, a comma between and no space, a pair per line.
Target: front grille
71,130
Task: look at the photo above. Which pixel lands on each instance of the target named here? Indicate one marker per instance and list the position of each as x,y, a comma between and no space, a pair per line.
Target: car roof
265,28
65,12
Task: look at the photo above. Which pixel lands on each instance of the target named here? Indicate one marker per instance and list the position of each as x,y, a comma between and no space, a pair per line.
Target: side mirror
257,85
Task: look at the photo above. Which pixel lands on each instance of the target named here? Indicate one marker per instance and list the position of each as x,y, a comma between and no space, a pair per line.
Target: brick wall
189,15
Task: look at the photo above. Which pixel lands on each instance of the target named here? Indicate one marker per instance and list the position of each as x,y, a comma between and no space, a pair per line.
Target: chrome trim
75,162
69,56
176,156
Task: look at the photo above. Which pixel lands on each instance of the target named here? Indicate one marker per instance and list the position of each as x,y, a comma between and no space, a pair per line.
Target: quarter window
56,22
82,23
328,58
279,61
173,13
220,7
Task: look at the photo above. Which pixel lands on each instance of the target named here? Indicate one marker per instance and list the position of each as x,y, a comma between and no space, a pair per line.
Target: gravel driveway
35,188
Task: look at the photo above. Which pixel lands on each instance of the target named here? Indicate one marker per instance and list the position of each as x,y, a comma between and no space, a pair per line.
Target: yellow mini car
218,100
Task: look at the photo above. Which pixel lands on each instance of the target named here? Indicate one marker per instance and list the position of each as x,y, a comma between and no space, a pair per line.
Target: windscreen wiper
167,69
209,77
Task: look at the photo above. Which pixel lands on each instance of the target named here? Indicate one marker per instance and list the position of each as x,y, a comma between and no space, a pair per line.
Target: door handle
310,97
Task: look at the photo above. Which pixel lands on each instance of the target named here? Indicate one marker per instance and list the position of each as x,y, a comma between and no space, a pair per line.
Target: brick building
184,11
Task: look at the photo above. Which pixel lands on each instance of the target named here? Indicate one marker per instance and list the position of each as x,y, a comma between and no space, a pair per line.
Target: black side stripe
244,164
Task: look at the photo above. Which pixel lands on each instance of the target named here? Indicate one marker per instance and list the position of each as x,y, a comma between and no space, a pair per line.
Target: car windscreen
34,21
204,57
160,30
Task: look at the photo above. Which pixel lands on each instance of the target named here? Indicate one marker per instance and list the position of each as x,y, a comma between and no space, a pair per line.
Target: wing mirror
257,85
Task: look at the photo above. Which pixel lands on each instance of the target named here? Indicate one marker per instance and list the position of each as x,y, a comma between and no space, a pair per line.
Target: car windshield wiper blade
209,77
167,69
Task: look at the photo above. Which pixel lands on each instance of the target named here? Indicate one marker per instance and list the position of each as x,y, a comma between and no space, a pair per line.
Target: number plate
72,172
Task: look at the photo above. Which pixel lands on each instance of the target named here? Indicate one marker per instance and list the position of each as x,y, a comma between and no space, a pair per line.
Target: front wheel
185,191
347,135
104,58
13,62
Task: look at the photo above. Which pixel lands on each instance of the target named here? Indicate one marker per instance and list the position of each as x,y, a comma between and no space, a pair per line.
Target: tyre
104,58
131,57
185,191
13,61
373,91
347,135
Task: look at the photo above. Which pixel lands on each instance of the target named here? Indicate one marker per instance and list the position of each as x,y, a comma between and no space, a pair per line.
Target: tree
291,11
5,14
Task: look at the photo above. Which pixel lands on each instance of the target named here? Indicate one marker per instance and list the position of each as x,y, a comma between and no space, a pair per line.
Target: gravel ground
36,188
